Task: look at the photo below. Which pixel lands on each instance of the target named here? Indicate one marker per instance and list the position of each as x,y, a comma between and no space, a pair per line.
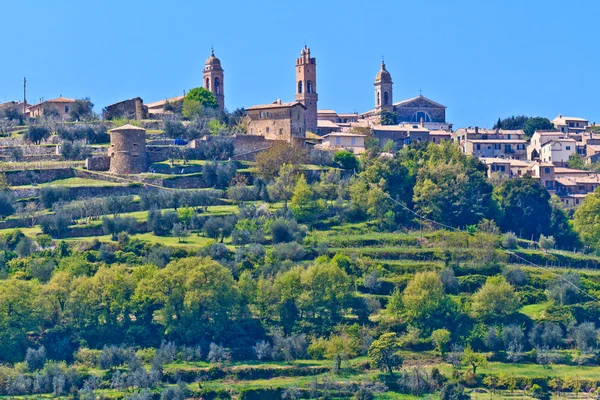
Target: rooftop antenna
420,92
212,50
24,95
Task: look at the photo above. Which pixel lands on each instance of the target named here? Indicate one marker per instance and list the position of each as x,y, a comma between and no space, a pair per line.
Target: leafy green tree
6,204
269,162
326,292
528,124
81,110
346,160
384,353
192,110
387,117
561,226
216,127
191,298
303,203
340,348
586,220
524,199
202,95
20,313
473,359
576,161
546,242
37,133
425,302
496,299
448,183
441,339
537,124
285,184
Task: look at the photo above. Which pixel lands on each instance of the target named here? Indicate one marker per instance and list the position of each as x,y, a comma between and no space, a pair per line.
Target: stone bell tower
213,78
383,89
306,87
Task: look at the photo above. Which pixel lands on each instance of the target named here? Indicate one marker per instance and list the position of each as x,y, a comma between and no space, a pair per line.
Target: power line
462,230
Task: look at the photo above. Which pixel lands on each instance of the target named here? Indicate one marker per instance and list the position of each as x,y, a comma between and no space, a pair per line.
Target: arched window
378,100
385,98
217,86
207,87
309,87
299,86
421,114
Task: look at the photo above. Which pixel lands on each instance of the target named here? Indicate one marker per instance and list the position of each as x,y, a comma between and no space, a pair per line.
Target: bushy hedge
241,374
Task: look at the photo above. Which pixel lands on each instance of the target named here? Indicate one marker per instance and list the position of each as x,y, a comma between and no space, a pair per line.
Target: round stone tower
127,150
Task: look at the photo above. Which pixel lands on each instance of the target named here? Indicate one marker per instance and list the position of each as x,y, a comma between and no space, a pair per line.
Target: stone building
306,87
130,109
278,121
127,150
213,78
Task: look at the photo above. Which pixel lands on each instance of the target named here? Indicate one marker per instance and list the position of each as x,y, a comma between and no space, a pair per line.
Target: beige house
278,121
570,124
511,168
343,141
492,143
558,151
60,106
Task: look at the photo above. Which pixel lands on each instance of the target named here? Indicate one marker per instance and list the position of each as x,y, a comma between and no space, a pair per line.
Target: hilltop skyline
482,62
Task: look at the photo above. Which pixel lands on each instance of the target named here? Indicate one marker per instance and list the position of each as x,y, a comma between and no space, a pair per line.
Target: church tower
383,89
306,87
213,78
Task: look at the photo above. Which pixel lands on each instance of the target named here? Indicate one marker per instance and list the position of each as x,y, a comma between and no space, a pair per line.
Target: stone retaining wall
35,176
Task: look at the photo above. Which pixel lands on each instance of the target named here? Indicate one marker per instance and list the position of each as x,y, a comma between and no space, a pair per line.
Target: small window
568,147
338,140
268,130
353,140
252,131
268,114
478,147
281,131
66,109
261,114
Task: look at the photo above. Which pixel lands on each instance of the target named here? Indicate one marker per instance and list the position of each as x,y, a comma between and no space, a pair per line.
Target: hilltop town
178,249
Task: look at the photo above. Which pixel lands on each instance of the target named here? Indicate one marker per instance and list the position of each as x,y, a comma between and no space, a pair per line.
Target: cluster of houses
507,153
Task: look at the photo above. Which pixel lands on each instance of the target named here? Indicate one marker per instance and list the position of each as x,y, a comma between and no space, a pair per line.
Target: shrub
509,240
88,357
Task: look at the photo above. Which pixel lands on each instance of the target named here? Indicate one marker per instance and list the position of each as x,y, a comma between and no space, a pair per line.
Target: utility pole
24,96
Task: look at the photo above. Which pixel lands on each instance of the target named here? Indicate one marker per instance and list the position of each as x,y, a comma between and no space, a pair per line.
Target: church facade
416,110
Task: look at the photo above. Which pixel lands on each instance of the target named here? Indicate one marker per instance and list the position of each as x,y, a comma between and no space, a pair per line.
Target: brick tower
213,78
383,89
306,87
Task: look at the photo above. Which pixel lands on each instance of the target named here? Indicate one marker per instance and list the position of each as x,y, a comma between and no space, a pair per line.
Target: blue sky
482,59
